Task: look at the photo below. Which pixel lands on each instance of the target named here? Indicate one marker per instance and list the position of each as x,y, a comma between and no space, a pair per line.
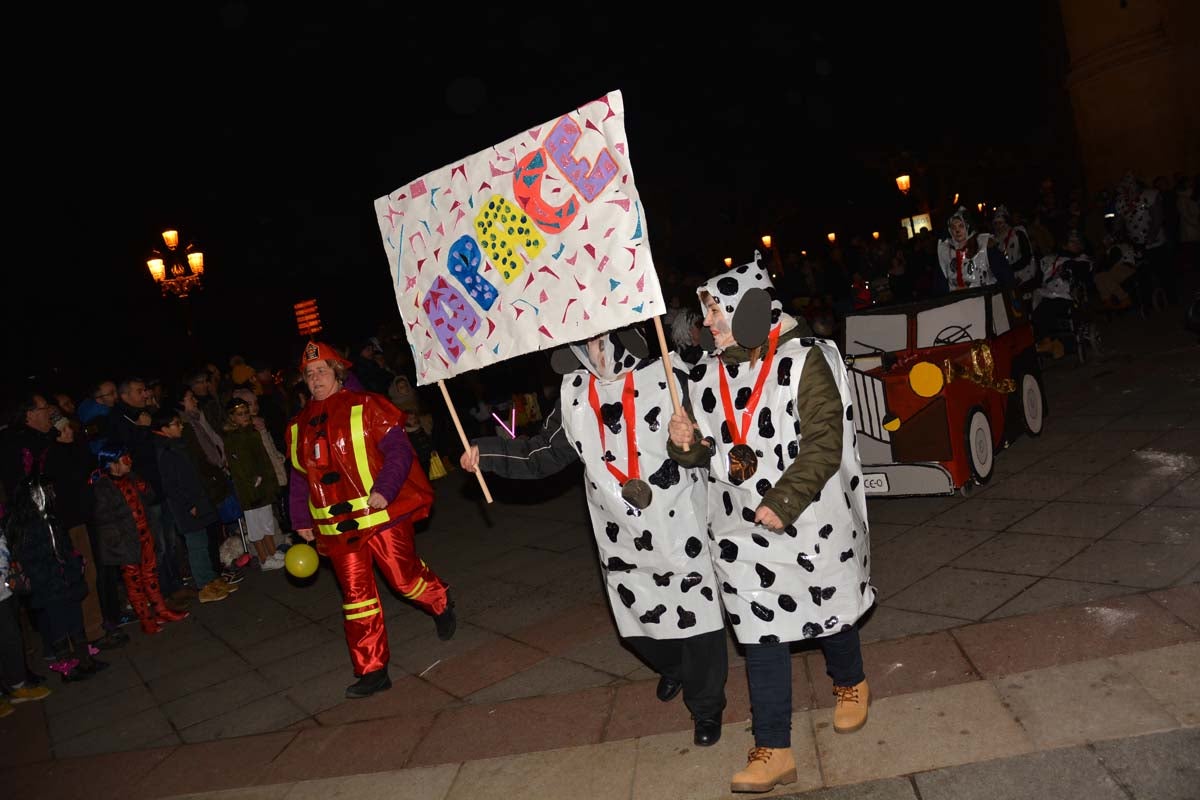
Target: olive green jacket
819,410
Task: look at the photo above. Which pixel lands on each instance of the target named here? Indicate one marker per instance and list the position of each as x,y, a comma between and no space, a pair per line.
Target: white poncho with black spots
656,560
813,578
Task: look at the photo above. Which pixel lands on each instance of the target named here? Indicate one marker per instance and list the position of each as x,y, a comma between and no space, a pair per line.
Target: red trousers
393,552
141,581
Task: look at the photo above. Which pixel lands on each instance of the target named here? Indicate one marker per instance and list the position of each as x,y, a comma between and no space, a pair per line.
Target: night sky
265,135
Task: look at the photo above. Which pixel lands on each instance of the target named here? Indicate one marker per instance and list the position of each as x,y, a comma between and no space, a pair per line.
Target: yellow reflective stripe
295,456
368,521
418,589
357,504
363,604
359,437
362,614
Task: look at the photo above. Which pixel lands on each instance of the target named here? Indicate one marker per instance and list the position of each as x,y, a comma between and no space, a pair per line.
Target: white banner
536,242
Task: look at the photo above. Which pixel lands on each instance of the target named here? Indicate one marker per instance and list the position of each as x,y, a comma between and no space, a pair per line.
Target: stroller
229,511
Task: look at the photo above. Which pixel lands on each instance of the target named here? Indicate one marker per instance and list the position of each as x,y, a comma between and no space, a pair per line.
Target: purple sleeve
398,457
298,501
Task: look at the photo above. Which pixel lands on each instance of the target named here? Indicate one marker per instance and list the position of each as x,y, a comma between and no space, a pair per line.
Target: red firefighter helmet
319,351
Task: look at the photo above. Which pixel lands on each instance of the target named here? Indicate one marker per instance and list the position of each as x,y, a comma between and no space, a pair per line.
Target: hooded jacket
810,579
656,562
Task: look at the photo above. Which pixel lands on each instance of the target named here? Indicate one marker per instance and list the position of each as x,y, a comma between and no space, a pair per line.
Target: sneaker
271,564
25,694
232,576
227,586
213,593
127,618
5,708
111,640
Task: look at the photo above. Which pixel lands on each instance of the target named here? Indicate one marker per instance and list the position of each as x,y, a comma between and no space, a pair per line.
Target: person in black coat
129,426
185,495
56,576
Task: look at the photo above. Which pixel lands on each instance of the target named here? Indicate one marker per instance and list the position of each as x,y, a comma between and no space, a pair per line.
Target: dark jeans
166,551
700,662
1157,271
12,648
1050,316
59,620
108,578
769,672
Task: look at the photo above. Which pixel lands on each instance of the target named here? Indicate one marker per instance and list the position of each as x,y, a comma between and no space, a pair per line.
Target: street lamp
766,240
875,235
831,236
728,263
904,183
178,272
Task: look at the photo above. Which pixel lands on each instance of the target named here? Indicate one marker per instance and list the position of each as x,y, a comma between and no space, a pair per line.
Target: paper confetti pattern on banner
530,244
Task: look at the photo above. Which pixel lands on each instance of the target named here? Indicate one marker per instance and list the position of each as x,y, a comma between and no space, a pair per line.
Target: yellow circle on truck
925,379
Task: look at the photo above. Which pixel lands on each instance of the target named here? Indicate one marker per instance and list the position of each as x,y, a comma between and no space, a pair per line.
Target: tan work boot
213,592
850,713
768,767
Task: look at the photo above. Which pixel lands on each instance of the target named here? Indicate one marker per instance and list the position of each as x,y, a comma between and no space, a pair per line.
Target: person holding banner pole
786,508
647,513
356,489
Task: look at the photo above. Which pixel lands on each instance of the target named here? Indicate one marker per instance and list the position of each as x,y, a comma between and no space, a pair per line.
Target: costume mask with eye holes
748,298
607,356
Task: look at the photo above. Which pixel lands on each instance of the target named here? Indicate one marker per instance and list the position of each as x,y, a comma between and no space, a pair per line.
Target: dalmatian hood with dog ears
607,356
749,300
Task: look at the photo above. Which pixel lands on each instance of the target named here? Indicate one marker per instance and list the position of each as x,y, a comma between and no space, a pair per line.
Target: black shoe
446,622
708,731
369,684
92,667
111,641
668,688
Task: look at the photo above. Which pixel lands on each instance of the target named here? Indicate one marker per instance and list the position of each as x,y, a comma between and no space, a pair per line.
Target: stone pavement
1042,633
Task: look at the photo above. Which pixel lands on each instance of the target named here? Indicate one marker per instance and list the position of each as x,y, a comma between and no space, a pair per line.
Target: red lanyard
739,434
627,405
959,255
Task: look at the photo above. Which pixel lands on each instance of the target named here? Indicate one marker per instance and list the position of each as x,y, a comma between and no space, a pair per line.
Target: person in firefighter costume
968,259
356,489
647,513
786,506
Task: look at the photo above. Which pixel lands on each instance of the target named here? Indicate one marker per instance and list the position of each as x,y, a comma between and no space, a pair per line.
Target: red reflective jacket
334,444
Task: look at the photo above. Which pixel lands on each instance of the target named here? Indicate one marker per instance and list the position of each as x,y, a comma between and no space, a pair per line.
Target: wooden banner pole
666,360
463,436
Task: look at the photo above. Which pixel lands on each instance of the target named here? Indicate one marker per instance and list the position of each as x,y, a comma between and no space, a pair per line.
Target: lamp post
179,271
904,184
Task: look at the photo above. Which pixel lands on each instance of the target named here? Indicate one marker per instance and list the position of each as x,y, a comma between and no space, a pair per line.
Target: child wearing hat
254,481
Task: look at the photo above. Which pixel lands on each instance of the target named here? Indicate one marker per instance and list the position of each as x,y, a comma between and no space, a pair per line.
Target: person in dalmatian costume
1013,241
1052,297
647,513
968,259
1140,216
786,507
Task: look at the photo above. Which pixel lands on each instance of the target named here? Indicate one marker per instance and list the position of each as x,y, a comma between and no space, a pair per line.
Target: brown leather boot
768,767
850,713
